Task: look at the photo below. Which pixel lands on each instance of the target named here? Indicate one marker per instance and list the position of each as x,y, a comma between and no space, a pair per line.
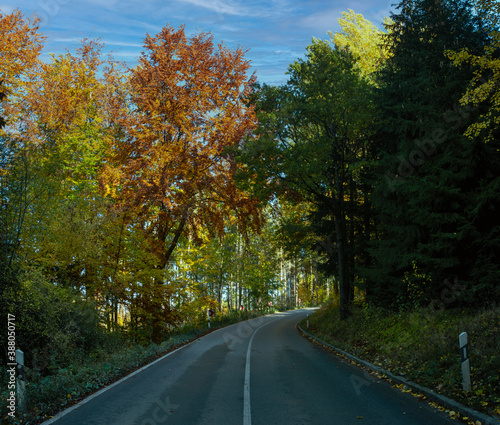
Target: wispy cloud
124,44
67,39
108,4
6,9
260,9
107,42
276,32
219,6
322,21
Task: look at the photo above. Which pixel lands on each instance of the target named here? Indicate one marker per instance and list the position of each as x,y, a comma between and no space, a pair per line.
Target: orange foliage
158,140
189,108
20,45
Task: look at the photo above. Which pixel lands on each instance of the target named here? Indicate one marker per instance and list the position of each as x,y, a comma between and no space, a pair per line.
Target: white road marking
247,413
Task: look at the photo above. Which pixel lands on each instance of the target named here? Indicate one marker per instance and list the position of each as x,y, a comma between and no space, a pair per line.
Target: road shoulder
441,400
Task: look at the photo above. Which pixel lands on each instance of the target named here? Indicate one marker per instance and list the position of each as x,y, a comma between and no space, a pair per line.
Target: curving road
258,372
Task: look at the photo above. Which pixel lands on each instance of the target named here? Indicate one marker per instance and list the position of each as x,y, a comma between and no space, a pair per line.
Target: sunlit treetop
20,46
363,40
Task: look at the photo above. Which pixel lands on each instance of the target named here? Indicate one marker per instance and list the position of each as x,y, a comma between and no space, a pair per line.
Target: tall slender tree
309,138
176,171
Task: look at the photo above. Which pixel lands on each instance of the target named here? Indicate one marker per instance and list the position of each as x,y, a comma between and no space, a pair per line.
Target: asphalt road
259,372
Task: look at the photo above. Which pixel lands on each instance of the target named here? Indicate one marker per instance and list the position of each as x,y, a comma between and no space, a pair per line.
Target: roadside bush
54,325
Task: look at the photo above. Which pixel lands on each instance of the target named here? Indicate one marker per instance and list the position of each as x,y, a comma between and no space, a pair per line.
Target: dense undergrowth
422,345
47,395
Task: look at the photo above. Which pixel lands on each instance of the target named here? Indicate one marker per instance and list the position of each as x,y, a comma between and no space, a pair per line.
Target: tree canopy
149,195
310,140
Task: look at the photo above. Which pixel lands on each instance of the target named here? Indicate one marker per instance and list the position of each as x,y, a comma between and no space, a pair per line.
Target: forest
133,200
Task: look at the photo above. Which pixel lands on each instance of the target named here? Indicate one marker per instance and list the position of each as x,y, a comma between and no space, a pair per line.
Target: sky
275,32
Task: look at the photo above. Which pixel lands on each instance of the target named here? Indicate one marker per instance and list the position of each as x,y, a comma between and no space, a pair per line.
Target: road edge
102,390
51,419
430,394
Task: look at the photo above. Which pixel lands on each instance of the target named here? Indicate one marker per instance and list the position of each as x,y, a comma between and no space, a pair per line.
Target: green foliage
53,324
310,143
228,272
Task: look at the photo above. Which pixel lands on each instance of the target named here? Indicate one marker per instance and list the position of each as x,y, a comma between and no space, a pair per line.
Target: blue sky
276,32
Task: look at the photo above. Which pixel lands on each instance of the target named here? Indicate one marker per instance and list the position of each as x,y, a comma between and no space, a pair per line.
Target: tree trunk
157,306
352,235
343,282
340,230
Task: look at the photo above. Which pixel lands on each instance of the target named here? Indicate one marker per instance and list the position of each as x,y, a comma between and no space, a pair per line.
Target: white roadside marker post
21,380
464,354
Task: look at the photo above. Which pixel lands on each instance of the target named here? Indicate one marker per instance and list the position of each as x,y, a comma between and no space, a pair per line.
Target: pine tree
429,171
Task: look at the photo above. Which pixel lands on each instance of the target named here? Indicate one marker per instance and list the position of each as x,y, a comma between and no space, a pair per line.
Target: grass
48,395
422,346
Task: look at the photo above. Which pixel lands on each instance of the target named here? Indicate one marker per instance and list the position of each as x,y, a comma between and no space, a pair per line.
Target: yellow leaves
65,93
20,45
64,113
362,39
484,87
108,191
403,388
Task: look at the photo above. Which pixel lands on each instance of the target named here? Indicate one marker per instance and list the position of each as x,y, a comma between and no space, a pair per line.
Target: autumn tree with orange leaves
174,169
20,46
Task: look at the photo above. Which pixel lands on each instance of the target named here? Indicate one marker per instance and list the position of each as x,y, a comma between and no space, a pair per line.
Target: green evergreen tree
430,173
483,94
